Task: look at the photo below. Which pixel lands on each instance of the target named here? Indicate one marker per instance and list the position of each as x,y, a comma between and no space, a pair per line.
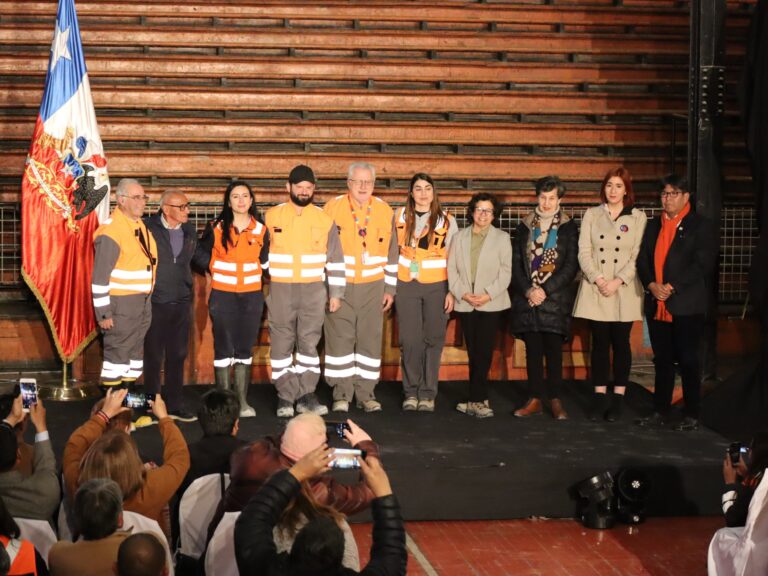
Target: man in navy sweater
168,335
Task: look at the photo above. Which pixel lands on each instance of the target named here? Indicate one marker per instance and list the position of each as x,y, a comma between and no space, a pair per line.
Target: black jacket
173,283
255,547
554,314
688,267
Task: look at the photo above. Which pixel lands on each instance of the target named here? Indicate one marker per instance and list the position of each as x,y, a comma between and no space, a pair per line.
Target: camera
346,458
28,388
337,428
134,400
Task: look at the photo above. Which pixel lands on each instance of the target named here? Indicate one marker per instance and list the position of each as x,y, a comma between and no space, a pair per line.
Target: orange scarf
663,244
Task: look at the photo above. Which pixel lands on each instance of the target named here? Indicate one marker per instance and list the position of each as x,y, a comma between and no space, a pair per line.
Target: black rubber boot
597,408
222,378
242,378
614,412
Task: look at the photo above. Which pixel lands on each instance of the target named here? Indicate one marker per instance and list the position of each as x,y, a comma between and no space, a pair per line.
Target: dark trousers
677,342
479,329
167,338
236,319
539,345
607,335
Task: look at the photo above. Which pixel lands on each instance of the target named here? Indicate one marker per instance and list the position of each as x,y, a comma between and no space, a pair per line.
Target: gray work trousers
296,313
124,342
353,342
421,322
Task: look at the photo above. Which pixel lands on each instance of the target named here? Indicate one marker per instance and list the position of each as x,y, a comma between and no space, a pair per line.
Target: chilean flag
64,193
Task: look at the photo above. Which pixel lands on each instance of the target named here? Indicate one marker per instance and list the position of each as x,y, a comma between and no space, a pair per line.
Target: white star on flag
59,48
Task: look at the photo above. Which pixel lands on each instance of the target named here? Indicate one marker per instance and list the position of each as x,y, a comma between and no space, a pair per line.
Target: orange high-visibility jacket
125,260
372,255
432,262
238,269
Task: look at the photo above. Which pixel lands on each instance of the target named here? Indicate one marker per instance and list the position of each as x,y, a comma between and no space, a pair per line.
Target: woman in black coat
544,266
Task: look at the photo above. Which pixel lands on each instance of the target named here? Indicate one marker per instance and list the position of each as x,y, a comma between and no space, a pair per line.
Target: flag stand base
69,389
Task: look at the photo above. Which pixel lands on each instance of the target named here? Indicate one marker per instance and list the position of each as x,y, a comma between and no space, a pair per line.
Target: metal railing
737,241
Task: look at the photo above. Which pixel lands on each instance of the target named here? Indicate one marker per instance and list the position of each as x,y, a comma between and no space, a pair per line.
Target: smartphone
28,388
736,451
337,428
141,401
346,458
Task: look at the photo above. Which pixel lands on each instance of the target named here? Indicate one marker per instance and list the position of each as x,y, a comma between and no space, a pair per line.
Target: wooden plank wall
484,96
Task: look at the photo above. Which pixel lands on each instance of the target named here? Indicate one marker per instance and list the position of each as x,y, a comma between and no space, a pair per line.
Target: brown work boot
557,409
531,408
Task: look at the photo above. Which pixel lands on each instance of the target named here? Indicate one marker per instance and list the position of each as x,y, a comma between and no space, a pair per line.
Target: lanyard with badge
362,231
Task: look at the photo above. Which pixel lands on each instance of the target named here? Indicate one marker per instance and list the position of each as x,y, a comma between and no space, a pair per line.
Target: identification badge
365,258
414,268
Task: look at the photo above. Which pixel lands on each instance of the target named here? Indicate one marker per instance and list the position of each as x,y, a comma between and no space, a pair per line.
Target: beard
301,202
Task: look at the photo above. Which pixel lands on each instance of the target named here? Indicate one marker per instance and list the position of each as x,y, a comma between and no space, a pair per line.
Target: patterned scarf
543,247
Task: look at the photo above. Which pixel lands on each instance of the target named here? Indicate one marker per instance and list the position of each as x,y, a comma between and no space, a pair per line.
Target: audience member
141,555
253,464
26,451
36,496
97,515
301,510
218,416
742,480
93,451
319,546
23,559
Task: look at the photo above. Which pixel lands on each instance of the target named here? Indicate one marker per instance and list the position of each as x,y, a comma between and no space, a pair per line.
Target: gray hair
124,184
96,508
364,165
166,194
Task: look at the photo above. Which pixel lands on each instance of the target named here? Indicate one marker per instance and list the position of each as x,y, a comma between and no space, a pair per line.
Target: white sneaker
340,406
284,409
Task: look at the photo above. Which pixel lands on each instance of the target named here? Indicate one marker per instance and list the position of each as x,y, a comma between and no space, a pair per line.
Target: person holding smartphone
319,546
742,478
35,496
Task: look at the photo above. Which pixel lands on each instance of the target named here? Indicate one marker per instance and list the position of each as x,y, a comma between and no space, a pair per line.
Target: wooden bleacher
482,95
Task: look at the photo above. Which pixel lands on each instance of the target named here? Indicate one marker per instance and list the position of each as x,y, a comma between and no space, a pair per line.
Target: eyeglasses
362,183
486,211
673,194
183,207
142,197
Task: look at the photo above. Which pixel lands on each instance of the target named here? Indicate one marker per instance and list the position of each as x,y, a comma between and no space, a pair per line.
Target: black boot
222,378
242,379
614,412
597,407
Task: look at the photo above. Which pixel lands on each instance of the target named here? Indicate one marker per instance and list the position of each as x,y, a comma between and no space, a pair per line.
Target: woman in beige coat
610,295
479,272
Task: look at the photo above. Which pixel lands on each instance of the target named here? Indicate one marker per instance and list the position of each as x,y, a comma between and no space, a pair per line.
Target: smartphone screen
133,400
346,458
28,387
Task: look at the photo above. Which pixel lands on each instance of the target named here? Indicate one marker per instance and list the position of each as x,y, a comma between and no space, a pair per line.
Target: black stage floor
448,466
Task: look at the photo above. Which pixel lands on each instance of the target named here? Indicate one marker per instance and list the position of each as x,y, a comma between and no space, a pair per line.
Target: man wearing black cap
306,266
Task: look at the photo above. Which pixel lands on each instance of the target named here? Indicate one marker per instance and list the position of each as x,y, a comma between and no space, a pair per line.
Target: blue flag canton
66,67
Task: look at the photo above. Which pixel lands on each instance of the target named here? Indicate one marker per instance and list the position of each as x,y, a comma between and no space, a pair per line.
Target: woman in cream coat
479,272
610,295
